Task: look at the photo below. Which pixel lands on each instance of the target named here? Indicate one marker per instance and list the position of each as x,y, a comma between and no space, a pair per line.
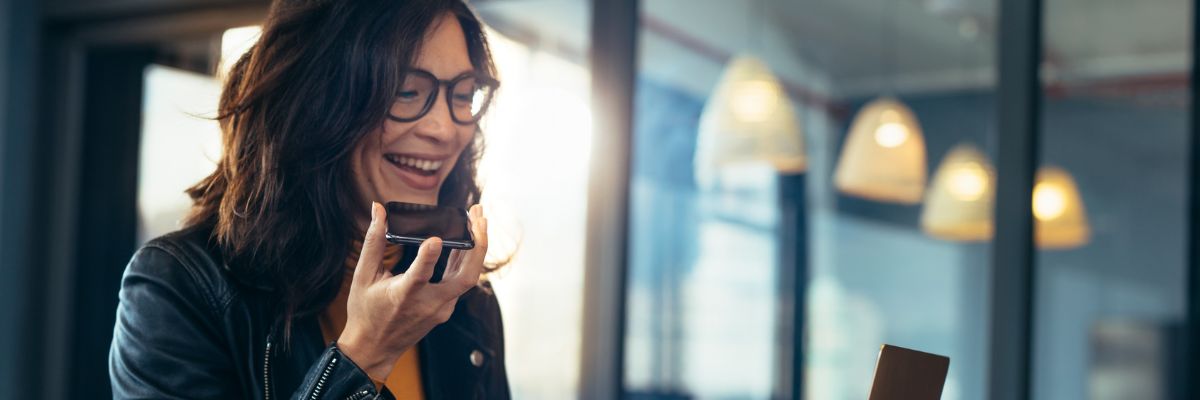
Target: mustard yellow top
405,379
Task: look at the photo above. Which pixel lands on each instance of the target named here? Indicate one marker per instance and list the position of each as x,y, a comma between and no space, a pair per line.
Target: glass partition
848,143
1111,201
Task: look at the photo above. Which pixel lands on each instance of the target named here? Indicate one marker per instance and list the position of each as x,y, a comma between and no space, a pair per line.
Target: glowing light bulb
968,181
891,134
754,101
1049,201
883,157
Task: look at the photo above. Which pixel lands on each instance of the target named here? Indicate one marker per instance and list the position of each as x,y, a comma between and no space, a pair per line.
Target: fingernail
374,211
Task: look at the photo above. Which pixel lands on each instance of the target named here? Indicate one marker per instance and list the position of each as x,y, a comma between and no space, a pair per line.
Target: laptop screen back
905,374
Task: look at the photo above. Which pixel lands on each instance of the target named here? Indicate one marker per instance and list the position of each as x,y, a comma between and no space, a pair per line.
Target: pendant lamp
958,205
748,118
1061,220
883,157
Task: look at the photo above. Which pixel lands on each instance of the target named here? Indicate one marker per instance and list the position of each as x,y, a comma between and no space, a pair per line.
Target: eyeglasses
467,95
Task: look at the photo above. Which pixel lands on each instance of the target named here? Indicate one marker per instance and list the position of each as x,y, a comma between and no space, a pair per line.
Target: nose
437,125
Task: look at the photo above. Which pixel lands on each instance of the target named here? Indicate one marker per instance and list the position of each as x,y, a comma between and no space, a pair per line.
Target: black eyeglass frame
480,79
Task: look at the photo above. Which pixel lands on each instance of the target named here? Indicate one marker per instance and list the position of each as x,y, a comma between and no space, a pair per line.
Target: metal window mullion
1018,112
1192,341
613,69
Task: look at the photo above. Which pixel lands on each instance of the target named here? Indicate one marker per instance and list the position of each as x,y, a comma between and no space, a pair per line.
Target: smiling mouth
418,166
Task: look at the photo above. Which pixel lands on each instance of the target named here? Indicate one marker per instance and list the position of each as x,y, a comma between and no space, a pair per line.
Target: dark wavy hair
320,79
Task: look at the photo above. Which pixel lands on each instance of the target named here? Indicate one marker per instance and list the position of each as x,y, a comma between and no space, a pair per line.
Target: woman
281,284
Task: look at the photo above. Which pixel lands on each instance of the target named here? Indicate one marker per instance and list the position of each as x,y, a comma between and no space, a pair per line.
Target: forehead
444,51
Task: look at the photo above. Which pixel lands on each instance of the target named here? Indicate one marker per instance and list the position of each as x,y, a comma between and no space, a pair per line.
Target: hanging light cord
887,33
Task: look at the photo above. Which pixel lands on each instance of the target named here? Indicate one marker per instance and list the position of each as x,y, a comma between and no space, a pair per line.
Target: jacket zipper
324,376
359,396
267,371
320,384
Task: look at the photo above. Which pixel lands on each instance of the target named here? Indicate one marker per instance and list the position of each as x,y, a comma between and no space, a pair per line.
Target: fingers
422,267
479,227
454,263
470,264
370,259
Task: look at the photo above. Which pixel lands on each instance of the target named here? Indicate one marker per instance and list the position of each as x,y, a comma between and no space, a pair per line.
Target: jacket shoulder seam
191,265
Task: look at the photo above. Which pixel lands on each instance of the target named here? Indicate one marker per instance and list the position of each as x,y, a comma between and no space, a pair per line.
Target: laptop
906,374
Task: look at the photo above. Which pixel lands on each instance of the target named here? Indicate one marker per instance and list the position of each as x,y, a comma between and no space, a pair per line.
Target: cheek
363,166
465,137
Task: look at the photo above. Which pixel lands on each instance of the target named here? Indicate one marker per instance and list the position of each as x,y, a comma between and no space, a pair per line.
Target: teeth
428,165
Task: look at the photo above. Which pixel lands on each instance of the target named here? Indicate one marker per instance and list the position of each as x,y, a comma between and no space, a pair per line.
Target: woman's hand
388,314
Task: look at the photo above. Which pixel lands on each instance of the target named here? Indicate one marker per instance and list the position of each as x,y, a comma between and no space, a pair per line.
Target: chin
410,197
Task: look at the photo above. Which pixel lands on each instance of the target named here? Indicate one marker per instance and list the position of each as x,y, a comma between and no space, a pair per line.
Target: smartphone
409,254
410,223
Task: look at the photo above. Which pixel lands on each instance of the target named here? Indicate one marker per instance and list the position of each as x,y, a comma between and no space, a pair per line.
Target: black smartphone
410,223
409,254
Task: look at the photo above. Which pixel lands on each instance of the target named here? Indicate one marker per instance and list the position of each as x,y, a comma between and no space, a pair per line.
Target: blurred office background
797,182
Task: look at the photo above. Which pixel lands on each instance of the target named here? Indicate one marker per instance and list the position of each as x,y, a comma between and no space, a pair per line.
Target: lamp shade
958,204
748,118
1061,219
883,158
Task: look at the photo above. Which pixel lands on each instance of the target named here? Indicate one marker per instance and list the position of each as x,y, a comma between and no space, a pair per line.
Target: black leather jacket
187,328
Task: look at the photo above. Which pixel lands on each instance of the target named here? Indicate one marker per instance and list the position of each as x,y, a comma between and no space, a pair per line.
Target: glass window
180,140
180,145
1111,200
874,119
534,176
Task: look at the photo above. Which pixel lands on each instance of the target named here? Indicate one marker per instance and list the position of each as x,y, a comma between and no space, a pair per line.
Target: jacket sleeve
166,342
335,376
169,341
498,379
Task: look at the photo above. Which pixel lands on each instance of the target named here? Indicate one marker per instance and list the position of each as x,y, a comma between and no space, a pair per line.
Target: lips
419,172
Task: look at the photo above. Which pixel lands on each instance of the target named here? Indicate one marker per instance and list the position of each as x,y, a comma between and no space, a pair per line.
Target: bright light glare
891,134
178,145
234,43
1049,201
754,101
534,174
968,181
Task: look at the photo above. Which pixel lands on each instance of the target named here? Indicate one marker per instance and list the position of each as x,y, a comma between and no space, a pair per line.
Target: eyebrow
460,73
